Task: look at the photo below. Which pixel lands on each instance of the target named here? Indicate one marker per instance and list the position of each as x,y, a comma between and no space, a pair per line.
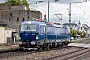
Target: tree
18,2
24,2
73,33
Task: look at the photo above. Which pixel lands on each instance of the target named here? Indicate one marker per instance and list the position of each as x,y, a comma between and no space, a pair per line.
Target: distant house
72,25
87,29
79,27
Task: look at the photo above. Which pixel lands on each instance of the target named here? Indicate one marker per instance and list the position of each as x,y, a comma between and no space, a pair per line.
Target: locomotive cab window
28,27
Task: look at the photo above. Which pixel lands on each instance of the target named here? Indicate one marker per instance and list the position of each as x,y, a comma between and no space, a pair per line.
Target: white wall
8,33
5,33
2,34
88,32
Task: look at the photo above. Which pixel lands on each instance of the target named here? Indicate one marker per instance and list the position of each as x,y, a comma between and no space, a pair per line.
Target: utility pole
48,10
70,18
70,15
48,6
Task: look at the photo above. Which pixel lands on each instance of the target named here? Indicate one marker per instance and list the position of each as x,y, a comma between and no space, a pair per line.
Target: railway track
22,53
68,56
67,53
19,52
74,54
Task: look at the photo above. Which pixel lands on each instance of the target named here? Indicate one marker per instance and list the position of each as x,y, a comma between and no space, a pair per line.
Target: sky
79,11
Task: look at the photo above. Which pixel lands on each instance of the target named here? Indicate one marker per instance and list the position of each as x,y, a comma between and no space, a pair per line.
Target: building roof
85,26
69,24
2,24
9,29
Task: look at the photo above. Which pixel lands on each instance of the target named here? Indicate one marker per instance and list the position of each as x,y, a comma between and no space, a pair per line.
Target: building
10,19
14,16
87,29
2,32
9,35
6,34
80,27
72,25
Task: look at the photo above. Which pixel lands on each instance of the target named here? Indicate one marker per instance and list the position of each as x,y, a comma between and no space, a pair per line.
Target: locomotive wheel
40,48
48,47
64,44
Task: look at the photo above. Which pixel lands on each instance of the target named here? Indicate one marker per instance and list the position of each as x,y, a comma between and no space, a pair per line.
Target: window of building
23,19
17,19
28,17
9,19
11,14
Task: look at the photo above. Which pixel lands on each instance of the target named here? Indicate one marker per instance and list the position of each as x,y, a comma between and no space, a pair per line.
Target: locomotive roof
33,22
41,23
57,25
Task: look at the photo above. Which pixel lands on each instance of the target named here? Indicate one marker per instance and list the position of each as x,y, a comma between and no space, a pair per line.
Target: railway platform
6,48
82,42
80,45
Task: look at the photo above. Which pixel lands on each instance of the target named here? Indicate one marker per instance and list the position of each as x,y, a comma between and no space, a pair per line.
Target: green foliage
24,2
83,34
74,32
14,2
18,3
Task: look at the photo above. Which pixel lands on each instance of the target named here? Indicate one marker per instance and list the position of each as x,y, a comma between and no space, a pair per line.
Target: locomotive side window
43,29
28,27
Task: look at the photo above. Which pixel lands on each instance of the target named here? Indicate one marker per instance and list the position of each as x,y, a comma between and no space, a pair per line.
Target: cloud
80,11
2,1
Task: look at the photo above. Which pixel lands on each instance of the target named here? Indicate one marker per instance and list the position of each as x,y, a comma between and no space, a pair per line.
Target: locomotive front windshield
28,27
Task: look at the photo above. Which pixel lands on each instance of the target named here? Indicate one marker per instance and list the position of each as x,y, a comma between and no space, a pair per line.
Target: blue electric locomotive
42,35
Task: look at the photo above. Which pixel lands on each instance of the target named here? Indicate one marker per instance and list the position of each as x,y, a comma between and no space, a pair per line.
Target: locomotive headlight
19,38
36,37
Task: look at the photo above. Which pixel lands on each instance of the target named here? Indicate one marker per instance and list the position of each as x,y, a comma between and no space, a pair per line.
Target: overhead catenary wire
80,7
83,10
